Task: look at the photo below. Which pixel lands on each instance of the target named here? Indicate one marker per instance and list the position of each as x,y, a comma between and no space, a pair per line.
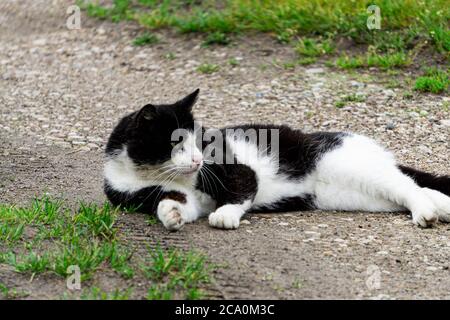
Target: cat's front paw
170,214
226,217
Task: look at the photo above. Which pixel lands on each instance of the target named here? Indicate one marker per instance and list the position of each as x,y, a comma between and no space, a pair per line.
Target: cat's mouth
188,171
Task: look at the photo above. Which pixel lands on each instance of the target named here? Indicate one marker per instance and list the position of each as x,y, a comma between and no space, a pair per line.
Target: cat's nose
197,161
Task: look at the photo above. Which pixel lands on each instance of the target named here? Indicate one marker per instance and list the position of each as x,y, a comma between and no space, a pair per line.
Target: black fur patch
303,203
145,200
298,152
174,195
428,180
228,183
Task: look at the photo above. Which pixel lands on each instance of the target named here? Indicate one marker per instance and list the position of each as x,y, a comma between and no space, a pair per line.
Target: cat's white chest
206,203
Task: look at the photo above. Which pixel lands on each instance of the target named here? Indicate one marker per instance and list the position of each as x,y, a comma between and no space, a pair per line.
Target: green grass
446,106
170,56
176,271
32,263
393,83
145,39
434,81
96,293
120,10
216,38
10,232
49,237
306,61
296,284
208,68
349,98
85,238
382,61
308,47
289,65
233,62
13,219
4,290
99,220
404,24
85,254
151,220
10,293
407,95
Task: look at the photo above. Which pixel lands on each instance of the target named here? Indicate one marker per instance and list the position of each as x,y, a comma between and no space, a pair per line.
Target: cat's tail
428,180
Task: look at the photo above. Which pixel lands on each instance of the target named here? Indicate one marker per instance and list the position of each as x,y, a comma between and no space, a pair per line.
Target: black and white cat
324,170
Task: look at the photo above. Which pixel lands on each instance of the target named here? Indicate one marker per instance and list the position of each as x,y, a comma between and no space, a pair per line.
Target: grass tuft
33,263
98,220
95,293
176,270
145,40
434,81
208,68
349,98
309,47
382,61
120,10
10,293
216,38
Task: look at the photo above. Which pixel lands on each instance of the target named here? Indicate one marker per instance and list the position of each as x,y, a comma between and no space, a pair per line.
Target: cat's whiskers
207,183
220,181
208,172
203,179
162,174
165,182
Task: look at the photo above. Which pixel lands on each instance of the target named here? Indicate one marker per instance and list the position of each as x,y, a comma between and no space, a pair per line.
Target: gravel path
61,92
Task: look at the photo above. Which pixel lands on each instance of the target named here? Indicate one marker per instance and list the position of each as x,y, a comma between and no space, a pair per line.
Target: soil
62,91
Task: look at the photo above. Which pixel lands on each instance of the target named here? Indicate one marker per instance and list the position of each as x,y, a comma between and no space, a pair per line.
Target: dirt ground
61,92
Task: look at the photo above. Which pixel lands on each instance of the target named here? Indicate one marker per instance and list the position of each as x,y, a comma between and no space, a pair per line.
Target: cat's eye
173,144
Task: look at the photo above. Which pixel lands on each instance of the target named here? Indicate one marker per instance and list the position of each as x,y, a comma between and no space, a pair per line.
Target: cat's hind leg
437,188
363,166
442,203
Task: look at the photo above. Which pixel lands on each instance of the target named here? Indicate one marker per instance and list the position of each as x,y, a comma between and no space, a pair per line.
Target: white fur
121,174
185,153
229,215
442,203
364,176
171,214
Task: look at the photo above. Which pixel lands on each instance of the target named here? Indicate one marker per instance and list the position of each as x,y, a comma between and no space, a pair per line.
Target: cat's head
152,140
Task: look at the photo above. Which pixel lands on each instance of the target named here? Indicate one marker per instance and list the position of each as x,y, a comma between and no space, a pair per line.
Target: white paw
425,216
424,219
170,214
226,217
442,203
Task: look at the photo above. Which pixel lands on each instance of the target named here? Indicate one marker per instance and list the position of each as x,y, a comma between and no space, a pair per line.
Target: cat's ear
187,102
148,112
